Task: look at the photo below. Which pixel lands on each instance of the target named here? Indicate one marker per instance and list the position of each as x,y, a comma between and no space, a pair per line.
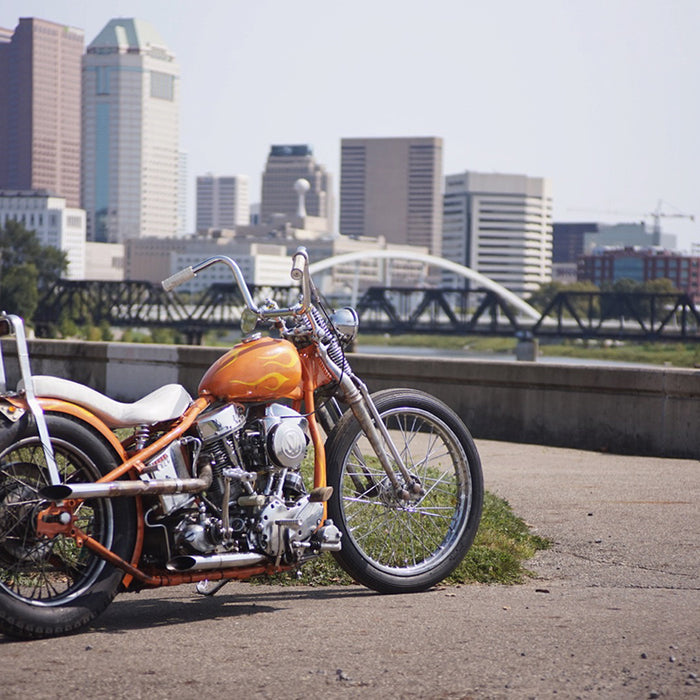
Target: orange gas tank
255,370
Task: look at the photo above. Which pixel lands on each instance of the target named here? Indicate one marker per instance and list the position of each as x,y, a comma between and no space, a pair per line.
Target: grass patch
674,354
501,548
500,551
477,343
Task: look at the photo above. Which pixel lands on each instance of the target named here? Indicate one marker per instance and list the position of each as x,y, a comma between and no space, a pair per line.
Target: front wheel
393,543
50,585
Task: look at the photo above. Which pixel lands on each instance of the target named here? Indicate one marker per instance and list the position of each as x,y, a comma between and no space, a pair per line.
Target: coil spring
141,435
335,351
219,457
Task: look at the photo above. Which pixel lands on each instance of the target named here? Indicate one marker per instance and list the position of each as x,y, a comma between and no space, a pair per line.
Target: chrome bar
136,487
34,406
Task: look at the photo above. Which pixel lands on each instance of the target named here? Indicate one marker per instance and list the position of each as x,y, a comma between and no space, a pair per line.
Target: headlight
345,322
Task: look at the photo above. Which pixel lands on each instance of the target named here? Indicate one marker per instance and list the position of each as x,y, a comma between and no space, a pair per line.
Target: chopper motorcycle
282,456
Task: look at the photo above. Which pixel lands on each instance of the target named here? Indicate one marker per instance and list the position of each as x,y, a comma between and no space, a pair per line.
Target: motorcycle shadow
168,607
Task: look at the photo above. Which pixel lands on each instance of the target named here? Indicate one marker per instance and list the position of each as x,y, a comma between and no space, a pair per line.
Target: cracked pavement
613,611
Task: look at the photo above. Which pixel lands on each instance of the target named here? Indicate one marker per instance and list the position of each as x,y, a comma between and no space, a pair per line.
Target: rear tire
50,586
399,546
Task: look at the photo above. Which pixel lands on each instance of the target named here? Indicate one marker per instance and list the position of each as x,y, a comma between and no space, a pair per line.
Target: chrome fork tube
363,408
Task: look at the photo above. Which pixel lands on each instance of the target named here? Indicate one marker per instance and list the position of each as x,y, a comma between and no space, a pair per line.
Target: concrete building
153,259
40,143
266,260
222,202
104,261
130,134
55,224
392,187
624,235
608,265
501,226
286,164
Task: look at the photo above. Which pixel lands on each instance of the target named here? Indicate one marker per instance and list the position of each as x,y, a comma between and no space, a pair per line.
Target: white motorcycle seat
166,403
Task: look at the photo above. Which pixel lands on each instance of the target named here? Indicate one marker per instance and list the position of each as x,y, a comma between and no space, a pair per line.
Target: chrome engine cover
299,521
286,440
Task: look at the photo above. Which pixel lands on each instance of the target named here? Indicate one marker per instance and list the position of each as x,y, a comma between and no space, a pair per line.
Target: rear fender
12,427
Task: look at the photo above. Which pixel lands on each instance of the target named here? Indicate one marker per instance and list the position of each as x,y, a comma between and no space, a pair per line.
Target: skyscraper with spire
131,152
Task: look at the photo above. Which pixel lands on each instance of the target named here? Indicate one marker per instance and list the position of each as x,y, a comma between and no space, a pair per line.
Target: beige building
392,188
40,139
501,226
104,261
222,201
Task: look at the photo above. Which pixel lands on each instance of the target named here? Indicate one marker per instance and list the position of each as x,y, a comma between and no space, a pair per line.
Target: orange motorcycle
98,496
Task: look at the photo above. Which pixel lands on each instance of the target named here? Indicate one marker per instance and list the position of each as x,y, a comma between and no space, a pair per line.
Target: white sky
600,96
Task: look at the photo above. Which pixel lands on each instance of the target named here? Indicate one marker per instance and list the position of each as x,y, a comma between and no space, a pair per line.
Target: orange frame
314,375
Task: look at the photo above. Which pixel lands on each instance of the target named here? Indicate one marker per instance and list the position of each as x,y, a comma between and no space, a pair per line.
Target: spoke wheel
50,585
410,538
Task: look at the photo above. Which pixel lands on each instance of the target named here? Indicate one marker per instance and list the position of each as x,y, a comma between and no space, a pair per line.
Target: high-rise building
40,108
222,202
285,165
392,187
501,226
130,134
182,204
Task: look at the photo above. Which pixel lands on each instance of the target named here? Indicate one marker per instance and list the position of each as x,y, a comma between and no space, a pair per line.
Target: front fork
358,398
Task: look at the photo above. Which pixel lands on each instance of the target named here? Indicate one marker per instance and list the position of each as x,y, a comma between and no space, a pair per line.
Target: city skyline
598,97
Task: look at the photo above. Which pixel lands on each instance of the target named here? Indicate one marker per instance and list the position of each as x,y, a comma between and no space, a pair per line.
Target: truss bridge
583,315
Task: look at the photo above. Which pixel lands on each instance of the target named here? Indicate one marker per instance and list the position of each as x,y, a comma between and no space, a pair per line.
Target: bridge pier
527,348
193,336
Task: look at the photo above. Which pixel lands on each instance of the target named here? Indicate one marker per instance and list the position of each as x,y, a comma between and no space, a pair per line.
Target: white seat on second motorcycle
166,403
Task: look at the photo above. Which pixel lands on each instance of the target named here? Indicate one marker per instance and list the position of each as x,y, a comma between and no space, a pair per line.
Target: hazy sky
600,96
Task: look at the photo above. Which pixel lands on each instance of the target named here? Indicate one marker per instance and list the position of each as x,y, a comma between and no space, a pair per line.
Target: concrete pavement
612,612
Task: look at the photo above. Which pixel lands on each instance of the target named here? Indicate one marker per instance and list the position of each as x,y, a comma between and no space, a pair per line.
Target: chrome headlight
345,322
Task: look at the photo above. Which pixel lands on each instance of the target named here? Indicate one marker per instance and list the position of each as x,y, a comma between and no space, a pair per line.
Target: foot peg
321,494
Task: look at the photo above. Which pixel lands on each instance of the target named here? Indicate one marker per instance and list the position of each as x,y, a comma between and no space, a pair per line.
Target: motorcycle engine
255,460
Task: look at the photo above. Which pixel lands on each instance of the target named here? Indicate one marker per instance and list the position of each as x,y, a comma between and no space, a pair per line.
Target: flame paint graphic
251,370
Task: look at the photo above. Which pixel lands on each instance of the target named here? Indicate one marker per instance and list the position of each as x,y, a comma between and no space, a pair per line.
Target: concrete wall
633,411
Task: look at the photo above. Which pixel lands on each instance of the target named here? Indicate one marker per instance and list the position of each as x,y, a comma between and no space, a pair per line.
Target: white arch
462,270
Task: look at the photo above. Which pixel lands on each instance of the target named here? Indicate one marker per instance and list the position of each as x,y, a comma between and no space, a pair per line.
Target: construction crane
657,214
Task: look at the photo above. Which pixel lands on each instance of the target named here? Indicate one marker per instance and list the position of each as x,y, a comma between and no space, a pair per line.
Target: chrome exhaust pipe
136,487
195,562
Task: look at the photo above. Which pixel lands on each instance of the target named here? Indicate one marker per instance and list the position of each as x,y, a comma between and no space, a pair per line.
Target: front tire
393,545
50,586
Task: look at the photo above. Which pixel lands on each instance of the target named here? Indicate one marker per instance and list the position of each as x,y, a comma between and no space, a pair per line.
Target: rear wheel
391,543
50,585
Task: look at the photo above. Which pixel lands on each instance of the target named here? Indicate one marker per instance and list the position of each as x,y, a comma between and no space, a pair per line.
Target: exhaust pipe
194,562
137,487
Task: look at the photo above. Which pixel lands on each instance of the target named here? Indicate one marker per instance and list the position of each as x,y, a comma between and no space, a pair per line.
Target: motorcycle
282,456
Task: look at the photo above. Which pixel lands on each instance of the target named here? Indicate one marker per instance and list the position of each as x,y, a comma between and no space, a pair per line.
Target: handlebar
300,272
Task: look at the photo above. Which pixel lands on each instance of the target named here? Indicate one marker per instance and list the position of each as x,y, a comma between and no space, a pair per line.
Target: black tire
50,586
393,545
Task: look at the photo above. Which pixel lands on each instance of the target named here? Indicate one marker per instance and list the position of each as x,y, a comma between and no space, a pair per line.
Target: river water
492,356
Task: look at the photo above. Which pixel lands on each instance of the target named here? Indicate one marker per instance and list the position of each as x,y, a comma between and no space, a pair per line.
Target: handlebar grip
177,279
298,264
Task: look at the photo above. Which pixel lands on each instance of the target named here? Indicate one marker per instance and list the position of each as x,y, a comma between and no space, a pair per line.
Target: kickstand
206,587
